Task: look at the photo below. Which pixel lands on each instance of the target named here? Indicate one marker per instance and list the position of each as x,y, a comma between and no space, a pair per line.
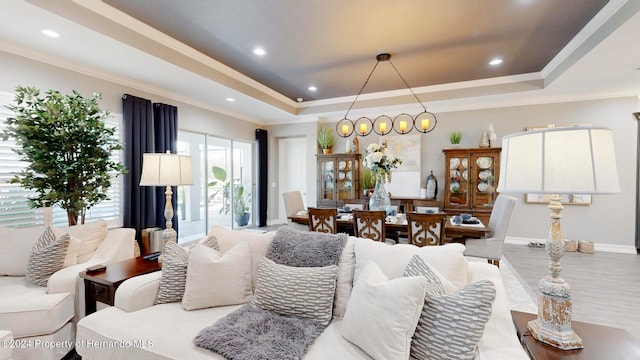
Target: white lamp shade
568,160
166,170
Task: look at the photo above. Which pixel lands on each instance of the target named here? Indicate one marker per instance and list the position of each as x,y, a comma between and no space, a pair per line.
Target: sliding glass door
220,184
224,185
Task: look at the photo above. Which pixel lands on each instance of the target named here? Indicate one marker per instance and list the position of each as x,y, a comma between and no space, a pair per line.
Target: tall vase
380,198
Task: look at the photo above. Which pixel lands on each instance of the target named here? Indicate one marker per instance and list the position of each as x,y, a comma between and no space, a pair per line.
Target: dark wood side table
600,342
101,286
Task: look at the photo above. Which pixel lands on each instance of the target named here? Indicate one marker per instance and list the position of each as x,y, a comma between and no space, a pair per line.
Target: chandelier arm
362,88
405,83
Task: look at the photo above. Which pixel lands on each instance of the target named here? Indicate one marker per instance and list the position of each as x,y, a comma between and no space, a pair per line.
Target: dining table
452,232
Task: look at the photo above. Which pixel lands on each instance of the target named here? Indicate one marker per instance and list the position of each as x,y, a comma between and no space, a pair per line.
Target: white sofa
42,319
142,330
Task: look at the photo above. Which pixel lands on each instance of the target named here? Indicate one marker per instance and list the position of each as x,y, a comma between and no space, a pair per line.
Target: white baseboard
274,222
621,249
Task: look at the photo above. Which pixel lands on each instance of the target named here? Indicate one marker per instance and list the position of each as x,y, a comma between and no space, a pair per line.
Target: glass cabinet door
345,178
459,184
328,180
484,176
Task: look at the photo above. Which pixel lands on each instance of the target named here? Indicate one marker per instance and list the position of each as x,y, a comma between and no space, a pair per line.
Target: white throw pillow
174,270
258,243
344,284
215,279
448,259
90,235
382,314
15,249
72,252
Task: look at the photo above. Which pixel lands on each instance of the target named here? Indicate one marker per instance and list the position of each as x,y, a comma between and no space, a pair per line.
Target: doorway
292,160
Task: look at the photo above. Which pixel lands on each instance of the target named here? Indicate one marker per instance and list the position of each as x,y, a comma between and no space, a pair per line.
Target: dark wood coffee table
600,342
101,286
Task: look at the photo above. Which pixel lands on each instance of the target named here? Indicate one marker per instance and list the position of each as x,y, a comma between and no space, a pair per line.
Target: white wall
18,70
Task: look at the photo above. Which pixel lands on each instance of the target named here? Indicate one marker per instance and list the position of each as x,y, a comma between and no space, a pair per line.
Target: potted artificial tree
454,138
367,181
64,141
326,140
241,210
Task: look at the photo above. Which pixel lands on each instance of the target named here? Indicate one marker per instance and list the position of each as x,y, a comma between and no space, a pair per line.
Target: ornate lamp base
168,234
553,325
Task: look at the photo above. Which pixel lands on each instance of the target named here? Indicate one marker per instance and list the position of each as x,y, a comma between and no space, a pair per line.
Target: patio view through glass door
224,185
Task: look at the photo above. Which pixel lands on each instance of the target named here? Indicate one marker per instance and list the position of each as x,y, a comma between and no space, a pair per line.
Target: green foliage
455,137
367,178
222,185
241,201
326,140
67,146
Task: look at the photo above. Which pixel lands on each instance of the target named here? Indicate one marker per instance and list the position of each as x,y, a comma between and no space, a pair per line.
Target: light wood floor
606,286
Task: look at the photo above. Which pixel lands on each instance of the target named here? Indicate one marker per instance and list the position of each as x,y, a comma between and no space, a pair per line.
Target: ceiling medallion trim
424,122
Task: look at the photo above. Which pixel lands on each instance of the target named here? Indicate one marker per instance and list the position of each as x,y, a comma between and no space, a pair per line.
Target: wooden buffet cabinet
471,176
338,179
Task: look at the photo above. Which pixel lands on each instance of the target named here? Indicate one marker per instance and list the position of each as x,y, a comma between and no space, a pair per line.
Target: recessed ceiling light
50,33
312,88
496,61
259,51
229,99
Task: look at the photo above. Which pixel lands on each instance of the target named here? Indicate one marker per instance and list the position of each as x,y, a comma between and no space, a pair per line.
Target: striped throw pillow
47,257
303,292
450,326
174,270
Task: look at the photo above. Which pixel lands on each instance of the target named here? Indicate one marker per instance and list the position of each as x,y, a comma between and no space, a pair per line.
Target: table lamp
168,170
567,160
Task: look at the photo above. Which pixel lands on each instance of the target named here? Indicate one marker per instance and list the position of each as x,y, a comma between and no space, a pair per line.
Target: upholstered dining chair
426,206
355,204
292,202
425,229
323,220
369,224
491,247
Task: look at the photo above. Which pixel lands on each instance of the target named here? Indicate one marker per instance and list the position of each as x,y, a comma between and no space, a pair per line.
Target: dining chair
369,224
426,209
425,229
492,246
323,220
426,206
355,204
397,207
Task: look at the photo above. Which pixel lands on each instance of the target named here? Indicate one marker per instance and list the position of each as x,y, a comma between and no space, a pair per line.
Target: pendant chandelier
382,125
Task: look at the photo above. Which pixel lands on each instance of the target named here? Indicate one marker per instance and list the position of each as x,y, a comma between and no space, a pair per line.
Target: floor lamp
166,170
567,160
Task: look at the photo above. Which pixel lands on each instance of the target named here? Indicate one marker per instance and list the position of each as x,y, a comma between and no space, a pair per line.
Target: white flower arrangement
380,160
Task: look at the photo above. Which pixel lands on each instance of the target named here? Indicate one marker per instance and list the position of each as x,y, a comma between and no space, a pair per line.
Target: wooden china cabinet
338,178
472,178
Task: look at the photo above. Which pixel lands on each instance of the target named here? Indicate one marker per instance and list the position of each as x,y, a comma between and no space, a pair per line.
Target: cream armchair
38,315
